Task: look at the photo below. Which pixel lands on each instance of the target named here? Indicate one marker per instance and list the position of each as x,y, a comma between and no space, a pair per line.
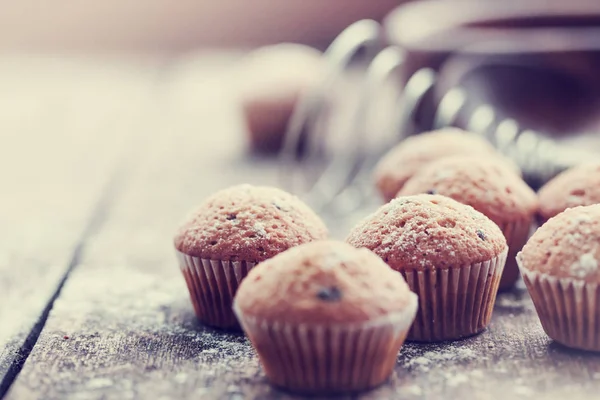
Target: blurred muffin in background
405,159
272,78
577,186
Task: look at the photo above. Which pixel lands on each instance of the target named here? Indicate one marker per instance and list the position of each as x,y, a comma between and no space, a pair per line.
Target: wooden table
99,161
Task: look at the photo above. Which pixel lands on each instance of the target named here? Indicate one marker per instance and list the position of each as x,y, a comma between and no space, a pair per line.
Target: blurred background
161,26
77,73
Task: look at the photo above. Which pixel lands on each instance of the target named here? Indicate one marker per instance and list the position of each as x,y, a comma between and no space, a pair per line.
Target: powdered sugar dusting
458,379
260,230
423,230
582,218
524,391
586,265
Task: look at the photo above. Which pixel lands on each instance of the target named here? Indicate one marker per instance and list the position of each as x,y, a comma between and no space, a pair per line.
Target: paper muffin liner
212,285
516,234
569,309
454,302
329,358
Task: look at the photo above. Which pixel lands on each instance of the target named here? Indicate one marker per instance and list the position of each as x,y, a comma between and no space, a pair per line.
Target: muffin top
274,72
428,231
577,186
248,223
567,246
400,163
324,282
488,185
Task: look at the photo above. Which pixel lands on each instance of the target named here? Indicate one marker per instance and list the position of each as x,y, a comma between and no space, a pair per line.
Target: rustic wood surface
55,180
122,325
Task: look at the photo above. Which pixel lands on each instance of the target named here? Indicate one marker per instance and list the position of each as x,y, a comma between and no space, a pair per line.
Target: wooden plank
61,130
124,328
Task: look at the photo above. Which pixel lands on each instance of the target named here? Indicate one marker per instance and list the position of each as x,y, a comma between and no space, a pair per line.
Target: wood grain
123,326
61,133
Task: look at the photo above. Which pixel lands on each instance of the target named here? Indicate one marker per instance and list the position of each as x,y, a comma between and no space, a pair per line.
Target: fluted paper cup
454,302
516,234
212,285
329,358
569,309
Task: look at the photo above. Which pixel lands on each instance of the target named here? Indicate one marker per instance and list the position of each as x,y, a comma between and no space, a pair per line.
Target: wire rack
337,179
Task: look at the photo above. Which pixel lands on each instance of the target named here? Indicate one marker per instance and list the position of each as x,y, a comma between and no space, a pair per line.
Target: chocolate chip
431,191
481,234
231,217
277,206
331,294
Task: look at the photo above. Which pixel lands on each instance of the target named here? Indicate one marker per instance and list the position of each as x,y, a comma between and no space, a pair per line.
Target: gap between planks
93,225
84,88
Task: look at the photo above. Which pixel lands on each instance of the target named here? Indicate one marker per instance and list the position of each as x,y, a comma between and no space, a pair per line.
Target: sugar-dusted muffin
230,233
489,186
577,186
325,317
451,255
560,266
402,161
272,79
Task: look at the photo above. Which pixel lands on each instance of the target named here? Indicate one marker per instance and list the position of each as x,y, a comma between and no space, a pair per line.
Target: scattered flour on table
99,383
457,379
510,301
181,377
524,391
436,357
454,379
478,374
414,390
132,295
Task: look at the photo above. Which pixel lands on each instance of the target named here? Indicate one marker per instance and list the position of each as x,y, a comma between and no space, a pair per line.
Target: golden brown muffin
448,252
229,233
307,311
248,223
489,186
577,186
401,162
560,266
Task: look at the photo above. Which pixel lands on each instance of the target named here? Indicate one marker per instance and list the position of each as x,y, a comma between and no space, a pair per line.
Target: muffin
577,186
272,79
560,268
325,317
490,187
230,233
401,162
451,256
